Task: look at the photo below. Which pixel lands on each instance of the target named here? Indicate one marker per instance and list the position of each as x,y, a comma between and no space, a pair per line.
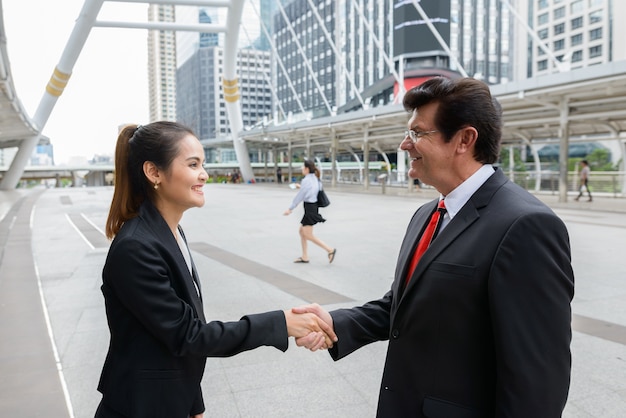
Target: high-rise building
305,65
206,39
481,38
267,9
560,35
200,99
359,52
162,65
363,35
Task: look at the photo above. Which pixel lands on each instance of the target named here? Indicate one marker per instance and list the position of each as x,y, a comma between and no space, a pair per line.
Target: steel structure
583,104
29,130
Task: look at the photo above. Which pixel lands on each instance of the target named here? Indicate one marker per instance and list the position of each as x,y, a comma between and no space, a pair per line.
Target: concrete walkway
53,333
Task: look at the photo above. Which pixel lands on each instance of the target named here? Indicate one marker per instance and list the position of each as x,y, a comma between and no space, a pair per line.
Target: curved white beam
54,89
230,85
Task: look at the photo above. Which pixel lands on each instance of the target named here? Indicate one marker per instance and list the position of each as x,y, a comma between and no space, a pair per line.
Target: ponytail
126,201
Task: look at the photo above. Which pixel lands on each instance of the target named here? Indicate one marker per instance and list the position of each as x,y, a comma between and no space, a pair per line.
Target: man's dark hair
462,102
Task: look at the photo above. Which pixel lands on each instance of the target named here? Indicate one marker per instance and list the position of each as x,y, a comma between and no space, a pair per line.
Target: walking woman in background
584,180
159,336
309,187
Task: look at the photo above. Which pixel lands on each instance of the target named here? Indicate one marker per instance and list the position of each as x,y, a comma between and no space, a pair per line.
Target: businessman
478,317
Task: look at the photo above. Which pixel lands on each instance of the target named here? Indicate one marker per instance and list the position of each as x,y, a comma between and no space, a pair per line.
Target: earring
156,186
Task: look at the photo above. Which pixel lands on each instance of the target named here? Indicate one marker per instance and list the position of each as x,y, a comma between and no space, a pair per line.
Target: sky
109,82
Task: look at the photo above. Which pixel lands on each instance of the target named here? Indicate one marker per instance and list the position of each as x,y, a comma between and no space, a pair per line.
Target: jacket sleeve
531,286
198,404
360,326
138,275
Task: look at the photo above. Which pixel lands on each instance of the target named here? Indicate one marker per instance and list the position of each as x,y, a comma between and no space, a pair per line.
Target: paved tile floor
244,247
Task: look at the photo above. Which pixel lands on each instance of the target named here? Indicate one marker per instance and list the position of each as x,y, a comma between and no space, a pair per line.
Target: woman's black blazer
159,336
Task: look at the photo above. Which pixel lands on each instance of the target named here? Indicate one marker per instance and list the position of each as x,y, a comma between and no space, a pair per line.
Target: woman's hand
287,212
302,323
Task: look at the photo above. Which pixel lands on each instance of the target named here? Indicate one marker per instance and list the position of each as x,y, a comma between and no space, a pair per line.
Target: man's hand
313,341
308,324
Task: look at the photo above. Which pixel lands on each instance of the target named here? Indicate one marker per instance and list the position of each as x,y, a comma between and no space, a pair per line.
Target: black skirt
311,214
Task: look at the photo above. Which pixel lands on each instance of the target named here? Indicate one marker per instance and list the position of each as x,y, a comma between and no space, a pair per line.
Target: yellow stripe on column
57,83
231,99
61,75
231,90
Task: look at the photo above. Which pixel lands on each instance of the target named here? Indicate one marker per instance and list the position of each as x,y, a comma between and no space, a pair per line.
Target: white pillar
563,149
54,89
230,84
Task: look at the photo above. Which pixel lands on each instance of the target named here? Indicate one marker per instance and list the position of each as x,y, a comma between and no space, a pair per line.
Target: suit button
395,333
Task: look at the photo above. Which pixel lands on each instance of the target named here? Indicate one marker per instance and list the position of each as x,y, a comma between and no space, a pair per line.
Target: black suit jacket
484,327
159,336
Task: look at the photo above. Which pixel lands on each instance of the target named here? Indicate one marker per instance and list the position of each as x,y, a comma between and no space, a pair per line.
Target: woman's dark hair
312,168
462,102
158,142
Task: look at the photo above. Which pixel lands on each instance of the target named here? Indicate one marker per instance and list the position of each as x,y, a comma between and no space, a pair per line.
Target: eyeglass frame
415,135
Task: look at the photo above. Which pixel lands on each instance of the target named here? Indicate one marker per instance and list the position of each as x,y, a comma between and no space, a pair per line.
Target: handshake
311,326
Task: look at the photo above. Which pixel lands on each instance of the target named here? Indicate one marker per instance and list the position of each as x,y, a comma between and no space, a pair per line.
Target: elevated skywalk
15,123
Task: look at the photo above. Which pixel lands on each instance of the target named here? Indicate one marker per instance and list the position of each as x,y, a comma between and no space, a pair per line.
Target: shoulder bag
322,199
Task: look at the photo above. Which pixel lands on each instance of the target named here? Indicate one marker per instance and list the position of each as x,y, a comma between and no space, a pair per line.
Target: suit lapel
196,296
468,214
165,236
414,232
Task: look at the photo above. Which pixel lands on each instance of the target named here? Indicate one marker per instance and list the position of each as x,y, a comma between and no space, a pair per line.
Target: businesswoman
159,336
309,187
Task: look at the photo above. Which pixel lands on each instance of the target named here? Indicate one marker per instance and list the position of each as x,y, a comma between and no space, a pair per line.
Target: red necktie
427,238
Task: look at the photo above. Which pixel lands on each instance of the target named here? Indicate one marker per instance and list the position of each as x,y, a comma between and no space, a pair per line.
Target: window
595,34
595,51
542,65
559,45
543,33
577,39
576,6
577,56
542,4
559,29
595,17
542,19
577,23
559,13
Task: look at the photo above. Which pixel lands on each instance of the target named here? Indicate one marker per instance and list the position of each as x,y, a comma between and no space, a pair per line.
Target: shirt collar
458,197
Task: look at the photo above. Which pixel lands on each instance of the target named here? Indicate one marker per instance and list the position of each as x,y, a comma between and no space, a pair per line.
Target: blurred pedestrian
279,175
584,180
307,193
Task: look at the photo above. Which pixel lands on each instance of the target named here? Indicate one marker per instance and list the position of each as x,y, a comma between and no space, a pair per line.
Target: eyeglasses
415,135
